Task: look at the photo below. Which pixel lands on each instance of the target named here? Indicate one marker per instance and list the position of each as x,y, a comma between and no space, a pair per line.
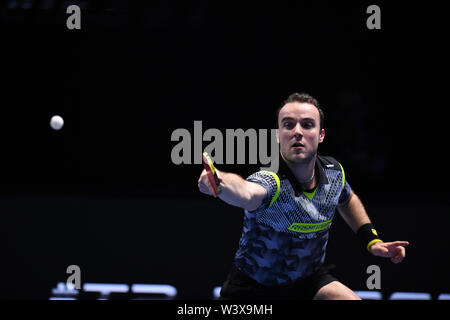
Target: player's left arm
355,215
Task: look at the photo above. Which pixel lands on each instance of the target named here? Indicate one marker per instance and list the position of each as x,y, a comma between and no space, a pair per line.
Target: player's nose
298,133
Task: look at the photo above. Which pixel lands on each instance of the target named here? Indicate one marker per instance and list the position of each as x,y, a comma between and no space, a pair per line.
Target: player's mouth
298,145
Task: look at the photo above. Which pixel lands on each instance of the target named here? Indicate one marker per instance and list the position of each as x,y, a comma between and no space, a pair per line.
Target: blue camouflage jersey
285,238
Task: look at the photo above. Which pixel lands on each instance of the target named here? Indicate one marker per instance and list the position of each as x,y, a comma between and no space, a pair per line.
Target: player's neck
304,172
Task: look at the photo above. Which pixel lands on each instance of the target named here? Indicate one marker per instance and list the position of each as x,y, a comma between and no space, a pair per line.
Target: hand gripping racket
212,174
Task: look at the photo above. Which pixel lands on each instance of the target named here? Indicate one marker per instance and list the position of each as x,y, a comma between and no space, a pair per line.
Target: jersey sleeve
345,194
268,182
346,189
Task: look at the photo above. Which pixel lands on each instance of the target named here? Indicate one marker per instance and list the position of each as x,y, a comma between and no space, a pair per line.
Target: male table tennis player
288,214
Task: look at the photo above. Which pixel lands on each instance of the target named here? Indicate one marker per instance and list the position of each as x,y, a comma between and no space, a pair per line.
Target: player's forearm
237,192
353,213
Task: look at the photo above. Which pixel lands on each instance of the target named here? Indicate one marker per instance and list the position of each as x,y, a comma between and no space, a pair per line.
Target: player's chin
298,156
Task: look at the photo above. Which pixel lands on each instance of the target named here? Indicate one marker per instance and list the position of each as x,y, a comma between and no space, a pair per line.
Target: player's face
299,131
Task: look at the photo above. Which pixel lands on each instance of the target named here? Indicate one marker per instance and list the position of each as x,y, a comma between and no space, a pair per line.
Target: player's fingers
396,260
400,243
205,186
400,254
205,190
204,178
380,251
202,175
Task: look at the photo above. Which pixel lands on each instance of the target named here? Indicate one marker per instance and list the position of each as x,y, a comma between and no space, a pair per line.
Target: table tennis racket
212,174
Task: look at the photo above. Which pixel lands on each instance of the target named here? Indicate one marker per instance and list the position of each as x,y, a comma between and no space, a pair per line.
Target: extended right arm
235,190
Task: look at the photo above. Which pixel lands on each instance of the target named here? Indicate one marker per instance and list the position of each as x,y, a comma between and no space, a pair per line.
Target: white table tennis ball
56,122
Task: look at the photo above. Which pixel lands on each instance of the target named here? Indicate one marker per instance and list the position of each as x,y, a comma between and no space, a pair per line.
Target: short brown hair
304,98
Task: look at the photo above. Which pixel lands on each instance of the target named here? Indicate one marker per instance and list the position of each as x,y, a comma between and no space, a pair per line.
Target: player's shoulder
328,162
262,174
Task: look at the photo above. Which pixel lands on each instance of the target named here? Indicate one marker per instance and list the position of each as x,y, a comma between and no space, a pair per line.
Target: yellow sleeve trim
372,242
277,180
343,176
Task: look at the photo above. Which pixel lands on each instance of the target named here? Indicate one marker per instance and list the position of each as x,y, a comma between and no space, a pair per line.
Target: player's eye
288,125
308,124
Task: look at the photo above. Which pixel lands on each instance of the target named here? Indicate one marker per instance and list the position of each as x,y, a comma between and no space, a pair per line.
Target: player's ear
322,135
277,134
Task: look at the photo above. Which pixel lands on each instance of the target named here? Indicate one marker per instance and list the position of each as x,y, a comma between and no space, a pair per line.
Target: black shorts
238,285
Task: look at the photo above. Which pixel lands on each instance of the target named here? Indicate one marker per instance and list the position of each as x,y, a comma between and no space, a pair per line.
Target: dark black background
103,192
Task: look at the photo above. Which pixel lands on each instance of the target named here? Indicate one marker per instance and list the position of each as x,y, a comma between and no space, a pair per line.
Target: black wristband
368,235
